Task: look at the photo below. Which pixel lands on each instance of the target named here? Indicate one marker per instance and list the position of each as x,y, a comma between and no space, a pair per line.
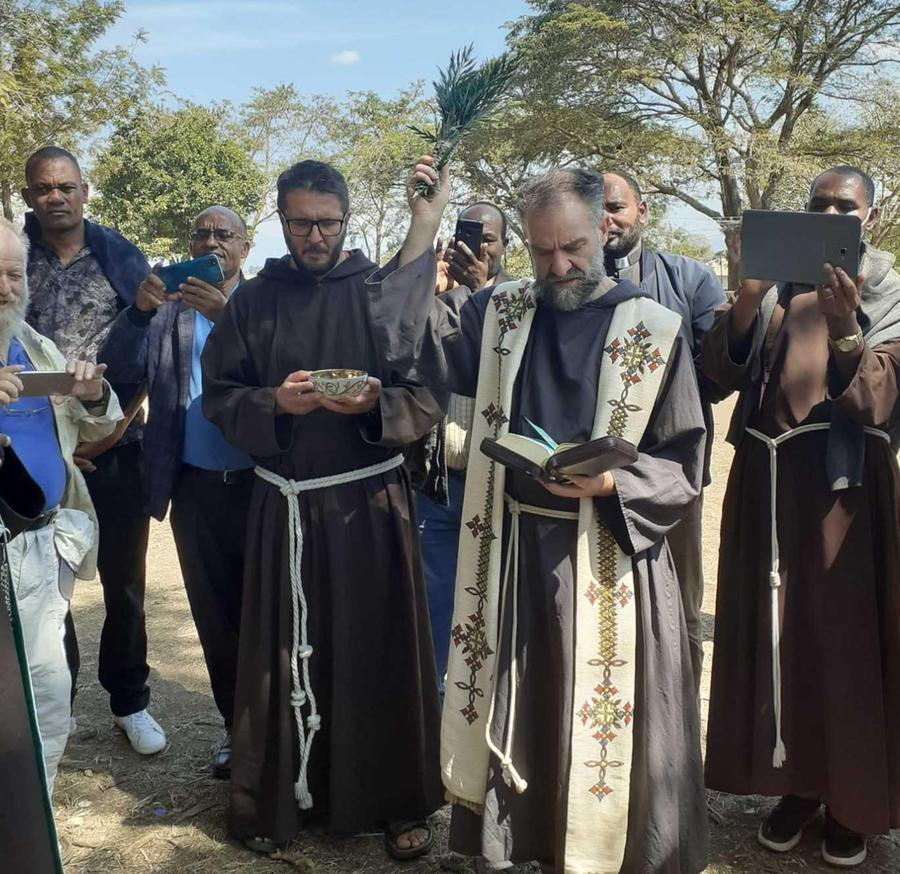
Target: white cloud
348,56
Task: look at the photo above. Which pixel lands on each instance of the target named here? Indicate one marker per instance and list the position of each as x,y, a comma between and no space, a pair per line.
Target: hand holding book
573,469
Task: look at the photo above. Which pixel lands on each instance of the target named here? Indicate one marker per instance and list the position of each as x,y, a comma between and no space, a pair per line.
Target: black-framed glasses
303,227
223,235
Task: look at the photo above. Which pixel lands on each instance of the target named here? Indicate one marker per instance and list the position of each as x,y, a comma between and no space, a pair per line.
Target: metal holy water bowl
339,383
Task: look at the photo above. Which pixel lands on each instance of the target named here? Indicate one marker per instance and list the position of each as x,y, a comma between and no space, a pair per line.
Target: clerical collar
615,266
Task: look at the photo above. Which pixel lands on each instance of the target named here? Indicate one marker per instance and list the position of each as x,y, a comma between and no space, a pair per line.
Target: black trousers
115,488
209,521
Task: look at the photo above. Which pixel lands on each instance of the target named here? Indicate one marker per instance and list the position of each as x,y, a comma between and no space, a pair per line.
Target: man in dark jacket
690,289
186,459
81,276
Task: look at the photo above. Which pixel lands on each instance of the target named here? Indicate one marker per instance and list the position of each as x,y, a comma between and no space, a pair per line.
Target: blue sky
222,50
217,50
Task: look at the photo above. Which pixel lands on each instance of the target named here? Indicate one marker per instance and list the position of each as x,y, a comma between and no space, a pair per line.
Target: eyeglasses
303,227
223,235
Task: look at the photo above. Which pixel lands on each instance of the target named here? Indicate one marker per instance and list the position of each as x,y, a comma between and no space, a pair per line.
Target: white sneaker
144,732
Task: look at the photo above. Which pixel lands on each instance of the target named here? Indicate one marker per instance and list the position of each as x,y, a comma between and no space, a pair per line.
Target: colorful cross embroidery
494,415
606,713
511,308
635,355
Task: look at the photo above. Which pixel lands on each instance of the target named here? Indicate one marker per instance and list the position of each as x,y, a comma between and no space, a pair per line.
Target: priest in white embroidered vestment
570,733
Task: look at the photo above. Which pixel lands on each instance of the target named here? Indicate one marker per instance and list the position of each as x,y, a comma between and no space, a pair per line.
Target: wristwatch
847,344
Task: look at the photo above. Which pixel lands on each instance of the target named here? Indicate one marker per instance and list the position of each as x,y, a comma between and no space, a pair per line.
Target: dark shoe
842,847
403,854
782,829
222,759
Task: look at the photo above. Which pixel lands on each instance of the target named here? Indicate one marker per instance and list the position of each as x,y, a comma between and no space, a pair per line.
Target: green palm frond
466,94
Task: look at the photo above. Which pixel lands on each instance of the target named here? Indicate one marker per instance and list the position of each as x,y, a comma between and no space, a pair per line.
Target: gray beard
575,296
11,321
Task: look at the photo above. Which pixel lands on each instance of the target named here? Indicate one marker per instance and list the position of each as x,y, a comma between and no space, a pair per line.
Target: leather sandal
393,830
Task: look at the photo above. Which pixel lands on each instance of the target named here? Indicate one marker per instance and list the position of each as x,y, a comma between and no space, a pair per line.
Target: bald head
13,283
220,231
13,240
240,226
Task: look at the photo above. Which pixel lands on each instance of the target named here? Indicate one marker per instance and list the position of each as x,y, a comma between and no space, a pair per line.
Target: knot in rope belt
301,650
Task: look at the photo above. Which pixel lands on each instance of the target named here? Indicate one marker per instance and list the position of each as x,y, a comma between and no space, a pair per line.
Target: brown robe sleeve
870,398
434,340
233,397
405,413
727,365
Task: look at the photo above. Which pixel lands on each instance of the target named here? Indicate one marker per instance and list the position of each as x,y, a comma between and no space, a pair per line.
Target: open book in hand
548,461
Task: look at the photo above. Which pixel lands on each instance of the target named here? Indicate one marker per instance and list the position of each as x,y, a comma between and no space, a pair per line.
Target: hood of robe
282,270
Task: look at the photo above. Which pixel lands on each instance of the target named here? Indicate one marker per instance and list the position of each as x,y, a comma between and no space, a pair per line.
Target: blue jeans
439,535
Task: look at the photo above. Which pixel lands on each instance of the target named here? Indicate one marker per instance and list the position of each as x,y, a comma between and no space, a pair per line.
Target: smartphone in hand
43,383
470,233
207,269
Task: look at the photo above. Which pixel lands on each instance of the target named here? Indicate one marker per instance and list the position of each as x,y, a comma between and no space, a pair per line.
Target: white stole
638,345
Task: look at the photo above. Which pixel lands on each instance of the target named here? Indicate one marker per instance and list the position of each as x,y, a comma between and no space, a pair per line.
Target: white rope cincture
301,650
509,771
779,751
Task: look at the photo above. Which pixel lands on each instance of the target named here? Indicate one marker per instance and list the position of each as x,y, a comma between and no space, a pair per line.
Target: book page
533,450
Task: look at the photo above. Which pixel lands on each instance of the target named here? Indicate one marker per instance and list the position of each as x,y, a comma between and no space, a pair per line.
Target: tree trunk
734,264
6,199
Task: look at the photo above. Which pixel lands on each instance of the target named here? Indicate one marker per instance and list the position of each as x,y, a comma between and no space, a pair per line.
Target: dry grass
118,812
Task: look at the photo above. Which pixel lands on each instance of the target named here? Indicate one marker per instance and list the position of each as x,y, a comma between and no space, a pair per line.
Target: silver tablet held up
795,246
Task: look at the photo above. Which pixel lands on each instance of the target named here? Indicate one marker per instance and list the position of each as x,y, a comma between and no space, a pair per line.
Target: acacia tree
276,126
720,89
158,171
372,144
56,87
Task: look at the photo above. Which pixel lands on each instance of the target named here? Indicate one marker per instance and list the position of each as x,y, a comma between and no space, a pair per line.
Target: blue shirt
204,445
30,425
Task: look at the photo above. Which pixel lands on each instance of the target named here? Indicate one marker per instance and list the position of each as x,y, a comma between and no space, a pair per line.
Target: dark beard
312,276
576,296
624,244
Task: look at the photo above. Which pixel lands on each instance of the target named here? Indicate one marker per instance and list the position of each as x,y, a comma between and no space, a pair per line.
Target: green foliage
369,138
666,237
517,262
163,168
465,95
56,87
276,127
710,103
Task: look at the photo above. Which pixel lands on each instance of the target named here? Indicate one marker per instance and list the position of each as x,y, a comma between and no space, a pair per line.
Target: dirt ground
119,812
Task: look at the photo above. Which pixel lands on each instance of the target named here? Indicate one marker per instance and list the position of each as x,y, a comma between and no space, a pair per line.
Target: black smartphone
470,233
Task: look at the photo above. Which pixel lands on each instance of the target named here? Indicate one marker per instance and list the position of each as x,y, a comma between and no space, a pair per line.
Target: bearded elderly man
570,733
61,544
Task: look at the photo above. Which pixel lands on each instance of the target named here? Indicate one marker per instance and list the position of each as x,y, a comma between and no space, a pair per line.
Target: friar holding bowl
336,703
